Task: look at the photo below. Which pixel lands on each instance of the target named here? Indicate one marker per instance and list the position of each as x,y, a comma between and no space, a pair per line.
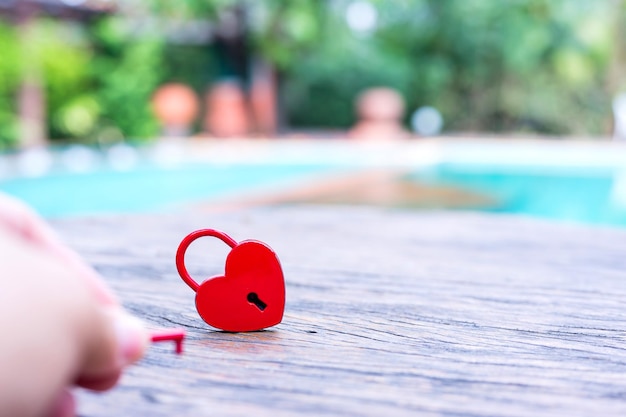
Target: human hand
61,326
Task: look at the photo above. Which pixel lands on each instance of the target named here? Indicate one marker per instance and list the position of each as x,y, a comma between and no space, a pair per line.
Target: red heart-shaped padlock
249,296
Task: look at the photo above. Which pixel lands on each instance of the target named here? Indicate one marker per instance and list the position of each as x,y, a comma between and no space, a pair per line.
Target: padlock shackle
188,240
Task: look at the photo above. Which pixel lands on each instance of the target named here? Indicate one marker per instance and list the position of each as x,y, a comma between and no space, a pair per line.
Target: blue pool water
148,187
596,196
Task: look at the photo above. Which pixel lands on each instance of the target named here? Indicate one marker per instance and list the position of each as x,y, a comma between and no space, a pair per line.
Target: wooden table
389,313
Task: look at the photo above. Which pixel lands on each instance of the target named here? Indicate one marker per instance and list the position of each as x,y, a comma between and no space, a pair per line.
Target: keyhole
254,299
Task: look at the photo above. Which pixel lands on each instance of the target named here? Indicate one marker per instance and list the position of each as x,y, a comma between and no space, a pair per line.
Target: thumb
120,340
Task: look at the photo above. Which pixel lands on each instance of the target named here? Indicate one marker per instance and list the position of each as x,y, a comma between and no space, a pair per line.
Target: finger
42,309
120,341
23,221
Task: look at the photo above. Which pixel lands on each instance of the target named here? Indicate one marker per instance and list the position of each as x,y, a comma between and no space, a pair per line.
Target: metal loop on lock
184,245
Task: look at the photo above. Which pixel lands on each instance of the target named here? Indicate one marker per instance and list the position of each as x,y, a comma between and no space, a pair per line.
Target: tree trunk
31,95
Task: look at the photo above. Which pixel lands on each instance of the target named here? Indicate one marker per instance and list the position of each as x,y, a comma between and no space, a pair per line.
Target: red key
175,335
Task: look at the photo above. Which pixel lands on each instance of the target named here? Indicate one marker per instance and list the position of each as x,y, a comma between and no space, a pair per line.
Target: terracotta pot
176,107
380,111
227,113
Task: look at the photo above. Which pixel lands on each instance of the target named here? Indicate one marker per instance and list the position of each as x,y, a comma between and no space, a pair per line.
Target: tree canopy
541,66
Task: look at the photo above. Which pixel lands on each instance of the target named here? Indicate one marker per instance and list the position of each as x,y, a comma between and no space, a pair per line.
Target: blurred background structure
87,70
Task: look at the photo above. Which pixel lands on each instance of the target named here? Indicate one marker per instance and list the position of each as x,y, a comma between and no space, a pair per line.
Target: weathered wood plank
388,313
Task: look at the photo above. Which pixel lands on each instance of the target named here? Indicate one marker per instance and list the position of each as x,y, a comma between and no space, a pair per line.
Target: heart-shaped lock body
249,296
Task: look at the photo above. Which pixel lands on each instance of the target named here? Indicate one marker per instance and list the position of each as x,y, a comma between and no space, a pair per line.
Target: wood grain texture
389,313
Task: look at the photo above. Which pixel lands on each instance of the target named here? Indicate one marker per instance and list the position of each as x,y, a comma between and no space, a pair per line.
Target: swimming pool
78,180
576,182
149,188
596,196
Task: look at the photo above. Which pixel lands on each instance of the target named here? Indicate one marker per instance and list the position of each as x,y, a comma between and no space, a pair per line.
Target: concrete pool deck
388,313
412,153
388,154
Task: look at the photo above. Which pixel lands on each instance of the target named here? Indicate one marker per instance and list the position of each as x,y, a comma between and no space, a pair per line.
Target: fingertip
132,338
119,342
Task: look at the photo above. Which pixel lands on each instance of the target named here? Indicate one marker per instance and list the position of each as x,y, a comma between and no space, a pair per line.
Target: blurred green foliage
97,82
526,65
9,78
125,73
546,66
